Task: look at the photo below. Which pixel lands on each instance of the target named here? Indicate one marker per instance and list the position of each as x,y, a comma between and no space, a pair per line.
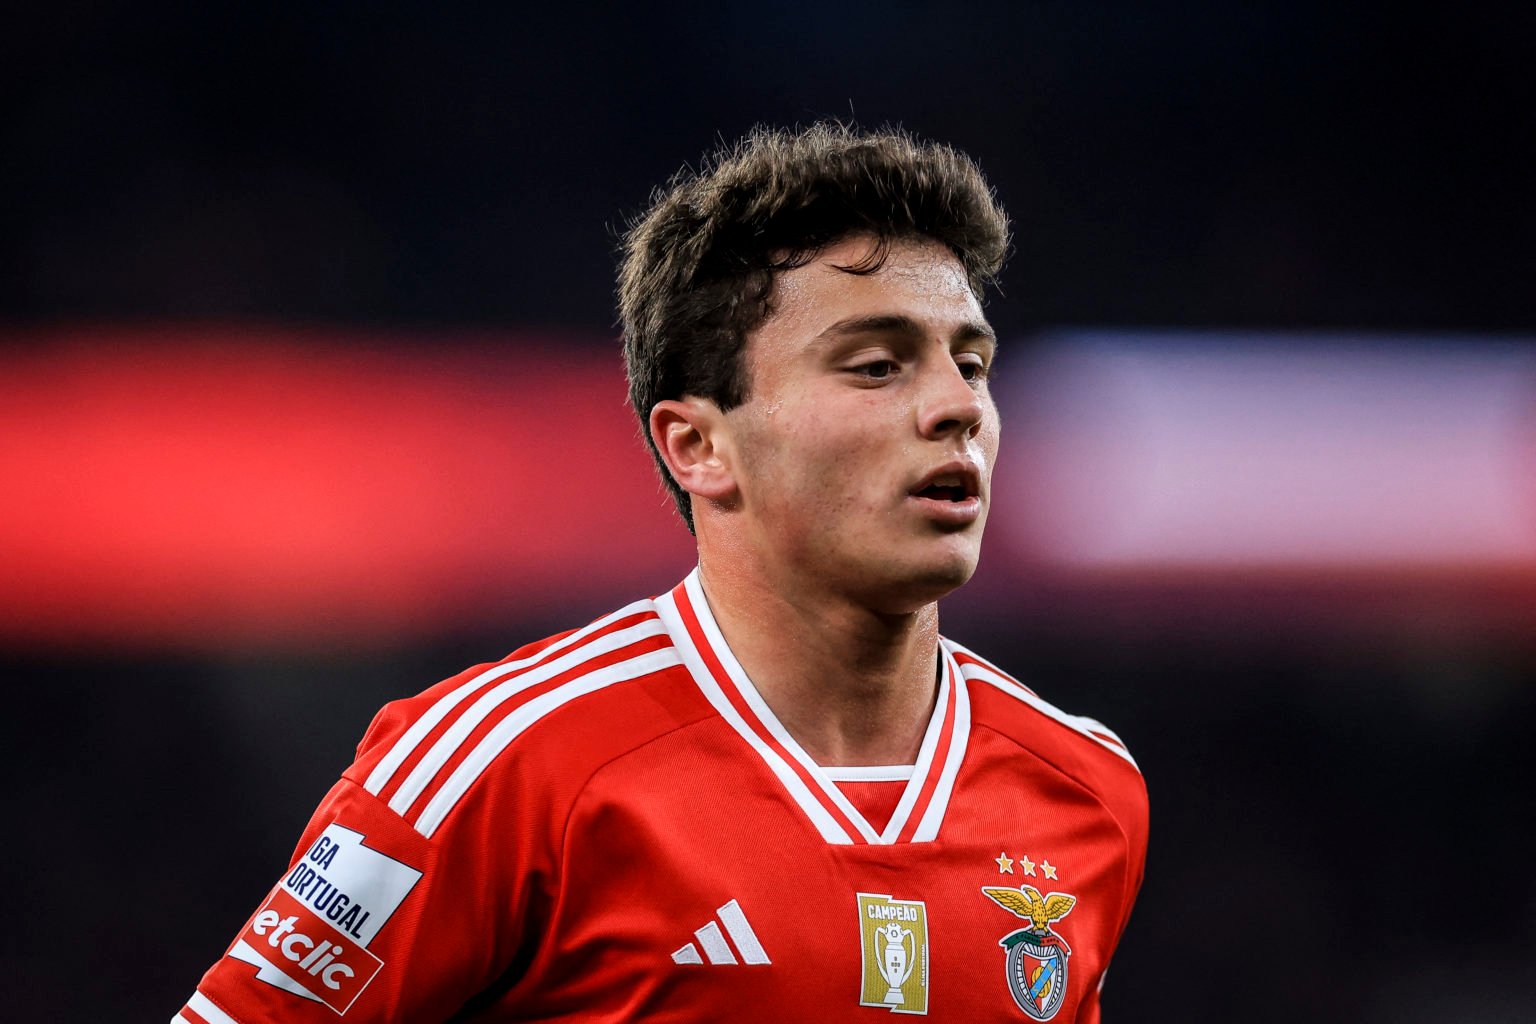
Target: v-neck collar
686,614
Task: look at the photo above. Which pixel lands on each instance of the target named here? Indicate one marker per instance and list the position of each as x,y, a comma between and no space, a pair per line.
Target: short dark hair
698,265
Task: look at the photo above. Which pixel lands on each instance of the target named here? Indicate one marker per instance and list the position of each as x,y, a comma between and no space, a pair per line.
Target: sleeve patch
311,936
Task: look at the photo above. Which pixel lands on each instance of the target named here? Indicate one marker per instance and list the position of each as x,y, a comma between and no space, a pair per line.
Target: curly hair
698,266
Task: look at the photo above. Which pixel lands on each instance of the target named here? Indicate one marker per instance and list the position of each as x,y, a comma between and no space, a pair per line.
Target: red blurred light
192,485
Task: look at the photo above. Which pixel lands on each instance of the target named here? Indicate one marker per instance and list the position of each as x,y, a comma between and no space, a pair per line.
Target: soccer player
774,792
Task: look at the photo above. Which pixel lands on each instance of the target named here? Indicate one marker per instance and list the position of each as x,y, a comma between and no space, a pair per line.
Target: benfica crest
1035,957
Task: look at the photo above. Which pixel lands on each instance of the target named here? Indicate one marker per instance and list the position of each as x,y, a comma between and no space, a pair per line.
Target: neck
852,685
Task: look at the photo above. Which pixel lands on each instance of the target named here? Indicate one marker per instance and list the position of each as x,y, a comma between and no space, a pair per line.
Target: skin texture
820,563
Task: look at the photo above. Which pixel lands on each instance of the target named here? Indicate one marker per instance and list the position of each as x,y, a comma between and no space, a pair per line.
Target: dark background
1342,820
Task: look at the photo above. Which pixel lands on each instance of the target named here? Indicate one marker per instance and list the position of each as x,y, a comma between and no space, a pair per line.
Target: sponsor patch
893,935
311,936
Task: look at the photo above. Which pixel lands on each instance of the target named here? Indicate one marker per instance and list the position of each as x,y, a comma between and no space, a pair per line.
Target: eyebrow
900,323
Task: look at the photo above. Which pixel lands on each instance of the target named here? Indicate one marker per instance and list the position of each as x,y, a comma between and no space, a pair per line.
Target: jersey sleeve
375,921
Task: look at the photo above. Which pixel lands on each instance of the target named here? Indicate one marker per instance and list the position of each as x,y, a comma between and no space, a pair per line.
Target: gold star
1048,868
1004,864
1028,865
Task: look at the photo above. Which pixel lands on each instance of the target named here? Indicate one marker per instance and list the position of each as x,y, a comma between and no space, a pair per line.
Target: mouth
956,482
950,494
945,492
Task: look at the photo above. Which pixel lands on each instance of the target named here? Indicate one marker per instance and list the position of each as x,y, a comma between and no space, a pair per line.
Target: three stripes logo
713,941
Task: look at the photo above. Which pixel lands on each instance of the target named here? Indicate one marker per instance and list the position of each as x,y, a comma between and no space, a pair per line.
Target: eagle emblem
1035,958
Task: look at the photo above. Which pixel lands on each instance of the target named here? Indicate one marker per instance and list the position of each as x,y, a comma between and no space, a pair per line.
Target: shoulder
532,727
1082,748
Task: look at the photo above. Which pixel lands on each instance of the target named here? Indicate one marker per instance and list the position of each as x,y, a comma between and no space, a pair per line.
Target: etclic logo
310,937
328,965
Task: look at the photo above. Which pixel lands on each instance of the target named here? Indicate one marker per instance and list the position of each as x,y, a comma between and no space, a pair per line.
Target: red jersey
611,825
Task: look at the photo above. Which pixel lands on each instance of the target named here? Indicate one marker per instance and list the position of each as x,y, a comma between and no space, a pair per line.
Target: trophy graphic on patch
895,960
893,941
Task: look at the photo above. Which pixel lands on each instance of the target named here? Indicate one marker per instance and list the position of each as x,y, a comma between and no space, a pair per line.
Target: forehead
919,278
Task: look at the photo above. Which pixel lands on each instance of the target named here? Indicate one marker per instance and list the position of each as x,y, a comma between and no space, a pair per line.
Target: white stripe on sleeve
205,1008
411,739
453,738
510,727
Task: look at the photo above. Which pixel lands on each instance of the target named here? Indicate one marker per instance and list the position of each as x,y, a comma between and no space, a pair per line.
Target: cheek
830,462
856,450
989,438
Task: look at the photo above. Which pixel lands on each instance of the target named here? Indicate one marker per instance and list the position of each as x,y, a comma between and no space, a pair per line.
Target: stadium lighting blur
202,487
1210,451
218,486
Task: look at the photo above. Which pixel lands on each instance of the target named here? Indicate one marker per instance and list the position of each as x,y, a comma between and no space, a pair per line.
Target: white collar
685,612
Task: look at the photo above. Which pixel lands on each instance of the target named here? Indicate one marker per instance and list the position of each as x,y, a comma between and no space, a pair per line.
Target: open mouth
944,492
956,483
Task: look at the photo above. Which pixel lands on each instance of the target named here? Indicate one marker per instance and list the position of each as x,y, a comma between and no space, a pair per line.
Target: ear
694,442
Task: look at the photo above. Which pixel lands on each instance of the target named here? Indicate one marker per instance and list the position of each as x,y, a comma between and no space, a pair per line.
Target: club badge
1035,957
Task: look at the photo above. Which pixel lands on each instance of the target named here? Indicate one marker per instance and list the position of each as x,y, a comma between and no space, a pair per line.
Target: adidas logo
716,948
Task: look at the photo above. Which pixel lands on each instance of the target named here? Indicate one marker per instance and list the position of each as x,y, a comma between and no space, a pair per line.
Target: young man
774,792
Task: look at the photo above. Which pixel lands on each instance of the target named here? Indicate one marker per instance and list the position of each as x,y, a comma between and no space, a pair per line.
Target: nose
950,405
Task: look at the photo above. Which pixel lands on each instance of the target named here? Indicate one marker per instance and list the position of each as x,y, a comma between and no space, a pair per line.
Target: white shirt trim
870,773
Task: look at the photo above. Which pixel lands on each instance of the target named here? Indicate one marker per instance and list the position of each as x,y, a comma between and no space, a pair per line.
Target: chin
946,580
912,586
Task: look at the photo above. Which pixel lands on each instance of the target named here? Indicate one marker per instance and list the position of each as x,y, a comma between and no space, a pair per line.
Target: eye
974,370
878,369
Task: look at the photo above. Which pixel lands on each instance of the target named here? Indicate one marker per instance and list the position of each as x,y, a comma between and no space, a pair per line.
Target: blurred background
310,397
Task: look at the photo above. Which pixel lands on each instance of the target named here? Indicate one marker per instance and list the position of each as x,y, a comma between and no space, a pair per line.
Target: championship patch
893,937
1035,957
311,936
